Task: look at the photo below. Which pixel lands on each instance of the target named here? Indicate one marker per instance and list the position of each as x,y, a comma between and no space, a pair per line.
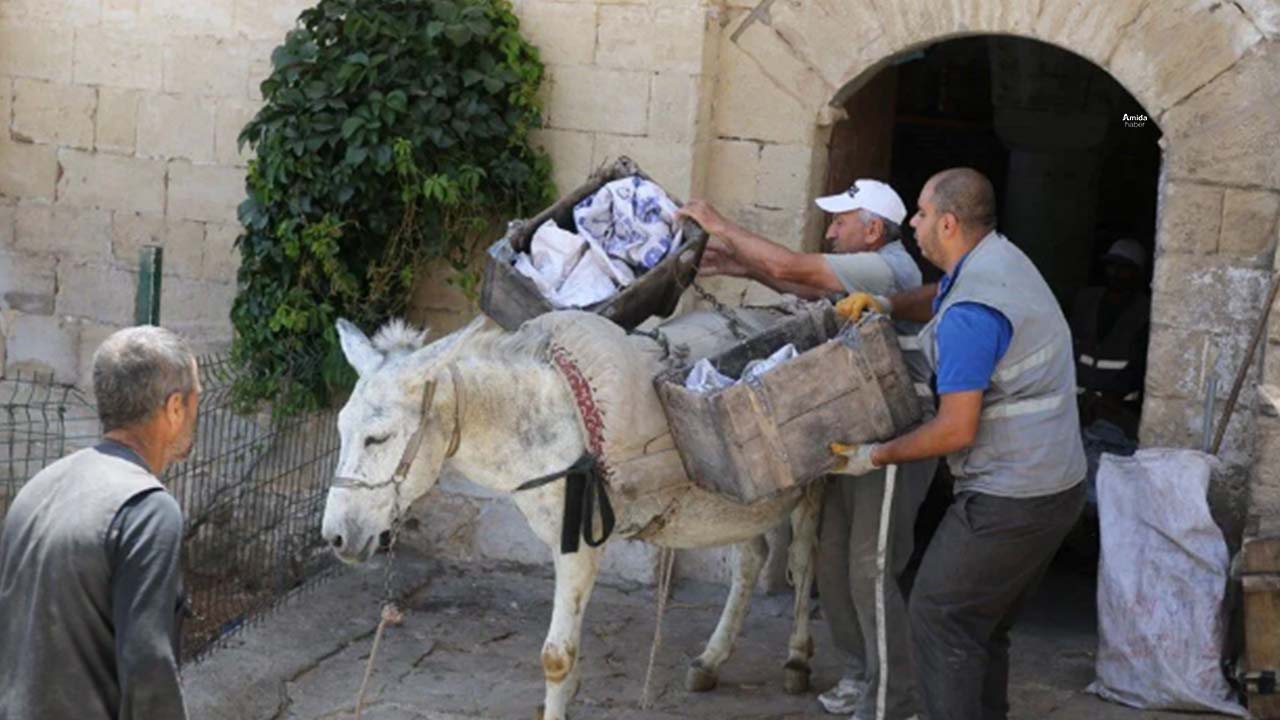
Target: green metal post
150,262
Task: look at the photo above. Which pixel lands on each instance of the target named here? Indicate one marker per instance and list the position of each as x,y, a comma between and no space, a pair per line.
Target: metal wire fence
252,492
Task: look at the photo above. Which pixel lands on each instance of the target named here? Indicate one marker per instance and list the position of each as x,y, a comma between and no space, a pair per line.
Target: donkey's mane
528,344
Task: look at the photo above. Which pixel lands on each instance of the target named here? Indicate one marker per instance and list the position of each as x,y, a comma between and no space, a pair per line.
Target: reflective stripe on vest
1023,407
1090,361
908,343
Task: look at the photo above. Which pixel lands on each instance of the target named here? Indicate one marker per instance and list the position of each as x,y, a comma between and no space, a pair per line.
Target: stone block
1226,131
205,192
786,177
1249,225
733,167
565,34
259,71
45,344
69,13
1230,293
111,182
6,106
750,106
121,13
571,155
8,218
54,113
206,66
208,17
92,335
117,120
232,116
789,68
911,23
818,35
669,164
1175,362
98,292
28,171
117,58
268,21
27,282
41,51
673,39
175,126
1265,15
1090,29
674,112
221,257
590,98
197,306
1173,48
182,241
1190,218
68,232
1171,422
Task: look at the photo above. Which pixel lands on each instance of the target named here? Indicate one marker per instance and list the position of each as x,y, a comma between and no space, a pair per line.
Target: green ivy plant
394,134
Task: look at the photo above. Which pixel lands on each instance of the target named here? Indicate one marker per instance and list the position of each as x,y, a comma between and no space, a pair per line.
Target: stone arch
1208,73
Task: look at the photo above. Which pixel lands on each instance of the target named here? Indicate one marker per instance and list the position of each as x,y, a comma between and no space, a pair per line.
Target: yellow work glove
853,459
853,306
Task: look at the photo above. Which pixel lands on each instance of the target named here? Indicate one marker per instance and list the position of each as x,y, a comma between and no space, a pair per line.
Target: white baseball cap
871,195
1128,250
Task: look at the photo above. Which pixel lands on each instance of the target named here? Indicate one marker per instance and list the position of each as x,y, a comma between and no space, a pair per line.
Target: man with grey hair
858,566
89,573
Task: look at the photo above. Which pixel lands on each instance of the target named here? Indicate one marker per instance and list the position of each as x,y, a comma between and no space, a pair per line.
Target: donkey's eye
376,440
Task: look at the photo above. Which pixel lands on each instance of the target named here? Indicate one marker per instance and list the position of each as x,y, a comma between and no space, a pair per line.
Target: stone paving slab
471,638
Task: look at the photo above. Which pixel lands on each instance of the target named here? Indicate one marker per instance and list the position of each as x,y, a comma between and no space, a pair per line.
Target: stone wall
118,124
120,118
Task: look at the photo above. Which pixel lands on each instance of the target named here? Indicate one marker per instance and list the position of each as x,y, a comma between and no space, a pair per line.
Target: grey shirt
91,590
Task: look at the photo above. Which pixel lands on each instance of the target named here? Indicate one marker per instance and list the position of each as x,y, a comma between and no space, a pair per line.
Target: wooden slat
1262,637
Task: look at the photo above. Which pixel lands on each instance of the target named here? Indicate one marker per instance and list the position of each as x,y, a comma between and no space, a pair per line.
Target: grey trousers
847,571
984,560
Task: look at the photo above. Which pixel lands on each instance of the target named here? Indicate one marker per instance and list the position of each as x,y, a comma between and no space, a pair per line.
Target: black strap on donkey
584,482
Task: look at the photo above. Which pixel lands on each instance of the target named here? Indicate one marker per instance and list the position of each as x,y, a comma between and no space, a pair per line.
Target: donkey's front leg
562,651
704,671
804,540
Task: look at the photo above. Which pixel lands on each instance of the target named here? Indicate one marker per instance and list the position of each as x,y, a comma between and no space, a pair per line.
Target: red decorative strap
592,417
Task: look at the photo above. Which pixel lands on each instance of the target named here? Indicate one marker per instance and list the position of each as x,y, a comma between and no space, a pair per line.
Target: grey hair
136,370
892,230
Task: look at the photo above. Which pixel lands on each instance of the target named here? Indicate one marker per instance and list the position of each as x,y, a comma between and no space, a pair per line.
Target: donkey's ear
422,363
356,346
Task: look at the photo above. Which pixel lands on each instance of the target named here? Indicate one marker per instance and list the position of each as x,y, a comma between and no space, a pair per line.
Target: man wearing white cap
1109,326
858,567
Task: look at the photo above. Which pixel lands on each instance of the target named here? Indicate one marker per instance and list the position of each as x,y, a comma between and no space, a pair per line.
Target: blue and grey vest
1028,441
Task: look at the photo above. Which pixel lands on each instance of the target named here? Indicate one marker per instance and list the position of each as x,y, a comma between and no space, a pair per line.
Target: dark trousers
984,560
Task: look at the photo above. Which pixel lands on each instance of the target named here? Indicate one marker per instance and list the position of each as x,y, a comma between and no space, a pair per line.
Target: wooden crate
511,298
1260,578
752,440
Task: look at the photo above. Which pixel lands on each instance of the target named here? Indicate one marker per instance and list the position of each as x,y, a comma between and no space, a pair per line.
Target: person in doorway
1109,326
865,253
89,572
1007,422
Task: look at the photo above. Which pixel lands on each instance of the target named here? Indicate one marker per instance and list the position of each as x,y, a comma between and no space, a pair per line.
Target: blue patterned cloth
632,219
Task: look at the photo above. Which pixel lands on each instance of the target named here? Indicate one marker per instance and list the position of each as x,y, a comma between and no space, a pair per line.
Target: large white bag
1161,581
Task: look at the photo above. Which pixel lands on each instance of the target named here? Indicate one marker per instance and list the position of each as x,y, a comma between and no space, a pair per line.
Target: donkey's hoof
700,679
795,679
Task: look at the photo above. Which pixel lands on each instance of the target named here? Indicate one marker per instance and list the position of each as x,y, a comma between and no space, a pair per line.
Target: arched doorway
1074,159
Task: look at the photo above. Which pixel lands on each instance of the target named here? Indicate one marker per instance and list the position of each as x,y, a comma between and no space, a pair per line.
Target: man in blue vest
864,253
1007,423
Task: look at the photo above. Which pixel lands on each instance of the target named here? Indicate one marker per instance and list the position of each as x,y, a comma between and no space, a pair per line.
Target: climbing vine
394,134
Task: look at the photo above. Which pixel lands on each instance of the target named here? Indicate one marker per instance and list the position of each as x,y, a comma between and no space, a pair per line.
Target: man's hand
853,459
853,306
718,259
702,212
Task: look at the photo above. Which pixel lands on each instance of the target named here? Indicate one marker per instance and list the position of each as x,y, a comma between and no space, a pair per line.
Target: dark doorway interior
1072,174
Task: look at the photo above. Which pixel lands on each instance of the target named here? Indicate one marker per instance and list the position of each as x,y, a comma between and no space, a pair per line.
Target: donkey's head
394,419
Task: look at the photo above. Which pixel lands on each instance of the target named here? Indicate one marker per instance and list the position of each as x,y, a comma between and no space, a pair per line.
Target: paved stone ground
470,642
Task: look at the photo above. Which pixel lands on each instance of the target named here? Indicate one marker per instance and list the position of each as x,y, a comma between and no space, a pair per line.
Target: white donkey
492,407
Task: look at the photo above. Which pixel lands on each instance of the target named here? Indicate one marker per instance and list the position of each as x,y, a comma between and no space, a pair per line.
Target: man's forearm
806,292
915,305
932,439
761,256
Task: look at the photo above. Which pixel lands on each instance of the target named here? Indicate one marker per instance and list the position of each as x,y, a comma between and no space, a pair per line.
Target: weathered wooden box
1260,577
511,298
754,439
